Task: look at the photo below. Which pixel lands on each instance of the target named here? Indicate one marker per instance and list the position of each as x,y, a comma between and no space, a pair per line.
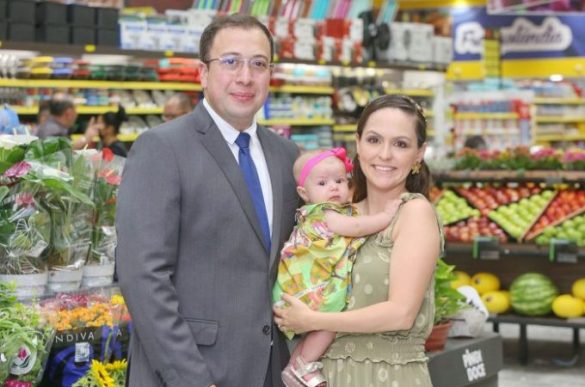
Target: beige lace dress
394,359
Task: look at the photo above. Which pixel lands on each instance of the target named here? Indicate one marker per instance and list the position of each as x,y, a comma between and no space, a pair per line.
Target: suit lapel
215,144
270,149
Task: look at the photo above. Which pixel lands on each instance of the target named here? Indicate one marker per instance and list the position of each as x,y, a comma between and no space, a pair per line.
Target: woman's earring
416,168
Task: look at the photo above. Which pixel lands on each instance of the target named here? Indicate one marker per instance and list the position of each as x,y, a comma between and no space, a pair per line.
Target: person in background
205,205
177,105
62,117
108,127
381,334
475,142
44,113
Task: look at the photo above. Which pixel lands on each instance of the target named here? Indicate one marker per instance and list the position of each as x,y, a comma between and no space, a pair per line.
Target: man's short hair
236,20
58,107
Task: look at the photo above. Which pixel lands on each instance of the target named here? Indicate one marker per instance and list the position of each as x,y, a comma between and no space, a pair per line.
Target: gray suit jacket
190,258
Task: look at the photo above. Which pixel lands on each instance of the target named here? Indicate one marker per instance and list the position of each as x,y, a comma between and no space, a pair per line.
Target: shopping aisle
545,344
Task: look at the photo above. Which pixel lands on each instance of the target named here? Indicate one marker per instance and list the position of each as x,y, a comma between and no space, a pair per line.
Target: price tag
89,48
486,248
562,251
169,53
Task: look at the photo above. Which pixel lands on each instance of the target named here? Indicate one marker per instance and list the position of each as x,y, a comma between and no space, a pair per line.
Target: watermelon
532,294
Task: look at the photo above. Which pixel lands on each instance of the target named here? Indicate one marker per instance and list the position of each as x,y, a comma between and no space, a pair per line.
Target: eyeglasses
234,63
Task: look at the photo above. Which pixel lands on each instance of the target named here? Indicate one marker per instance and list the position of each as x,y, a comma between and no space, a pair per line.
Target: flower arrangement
104,375
574,159
107,177
520,158
25,339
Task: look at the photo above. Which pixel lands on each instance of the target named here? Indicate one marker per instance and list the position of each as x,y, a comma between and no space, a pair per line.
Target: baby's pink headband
340,153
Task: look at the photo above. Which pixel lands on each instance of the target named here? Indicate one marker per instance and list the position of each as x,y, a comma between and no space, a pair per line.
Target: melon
532,294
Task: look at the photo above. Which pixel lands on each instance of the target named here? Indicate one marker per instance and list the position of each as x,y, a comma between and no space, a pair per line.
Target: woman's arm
414,255
361,225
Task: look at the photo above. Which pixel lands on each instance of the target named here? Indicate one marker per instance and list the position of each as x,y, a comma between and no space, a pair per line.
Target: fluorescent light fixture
556,77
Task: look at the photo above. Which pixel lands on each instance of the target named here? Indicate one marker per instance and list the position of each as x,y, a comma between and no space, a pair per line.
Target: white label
473,363
469,38
24,362
82,352
523,35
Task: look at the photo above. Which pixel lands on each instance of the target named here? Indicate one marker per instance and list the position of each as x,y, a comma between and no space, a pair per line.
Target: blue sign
522,37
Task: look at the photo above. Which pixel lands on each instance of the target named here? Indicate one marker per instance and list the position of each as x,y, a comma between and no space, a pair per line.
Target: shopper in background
390,309
177,105
62,117
197,247
108,127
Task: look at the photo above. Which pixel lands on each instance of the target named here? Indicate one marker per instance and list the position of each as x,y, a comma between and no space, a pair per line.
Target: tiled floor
547,345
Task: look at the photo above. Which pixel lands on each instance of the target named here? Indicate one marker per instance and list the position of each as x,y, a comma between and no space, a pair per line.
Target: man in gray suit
197,255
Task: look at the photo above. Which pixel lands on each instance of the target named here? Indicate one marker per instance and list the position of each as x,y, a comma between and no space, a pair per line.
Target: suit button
266,329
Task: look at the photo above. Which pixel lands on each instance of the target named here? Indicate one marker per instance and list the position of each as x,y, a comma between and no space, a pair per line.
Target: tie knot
243,140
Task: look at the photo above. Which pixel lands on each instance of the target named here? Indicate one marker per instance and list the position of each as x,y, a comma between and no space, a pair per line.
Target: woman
108,127
390,308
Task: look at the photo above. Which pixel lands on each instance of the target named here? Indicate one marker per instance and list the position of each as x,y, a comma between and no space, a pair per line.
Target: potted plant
107,167
448,301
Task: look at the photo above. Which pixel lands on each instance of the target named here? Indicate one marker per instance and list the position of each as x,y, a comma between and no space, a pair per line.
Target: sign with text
522,37
534,6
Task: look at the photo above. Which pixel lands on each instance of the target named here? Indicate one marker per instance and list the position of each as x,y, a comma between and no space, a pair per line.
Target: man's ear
303,194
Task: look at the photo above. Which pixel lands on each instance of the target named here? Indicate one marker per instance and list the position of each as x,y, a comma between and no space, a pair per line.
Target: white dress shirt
230,134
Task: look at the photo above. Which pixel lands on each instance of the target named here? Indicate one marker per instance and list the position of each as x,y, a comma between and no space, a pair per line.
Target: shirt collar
227,131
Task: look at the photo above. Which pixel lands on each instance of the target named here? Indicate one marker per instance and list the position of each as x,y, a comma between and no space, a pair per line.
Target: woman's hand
296,317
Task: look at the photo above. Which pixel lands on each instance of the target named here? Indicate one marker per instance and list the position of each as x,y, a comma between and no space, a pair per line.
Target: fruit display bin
525,214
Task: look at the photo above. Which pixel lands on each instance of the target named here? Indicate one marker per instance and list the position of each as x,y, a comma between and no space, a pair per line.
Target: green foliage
448,301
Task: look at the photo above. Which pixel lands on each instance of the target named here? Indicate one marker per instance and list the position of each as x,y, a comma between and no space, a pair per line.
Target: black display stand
468,362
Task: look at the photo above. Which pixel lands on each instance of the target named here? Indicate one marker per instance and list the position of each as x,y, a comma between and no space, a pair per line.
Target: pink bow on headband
340,153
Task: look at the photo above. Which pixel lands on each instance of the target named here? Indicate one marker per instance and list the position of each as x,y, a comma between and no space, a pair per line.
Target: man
177,105
62,117
197,242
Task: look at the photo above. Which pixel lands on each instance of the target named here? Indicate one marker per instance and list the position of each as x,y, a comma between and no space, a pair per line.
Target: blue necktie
253,182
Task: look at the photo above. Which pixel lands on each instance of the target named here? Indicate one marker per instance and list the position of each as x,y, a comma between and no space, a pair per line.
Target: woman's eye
373,140
401,144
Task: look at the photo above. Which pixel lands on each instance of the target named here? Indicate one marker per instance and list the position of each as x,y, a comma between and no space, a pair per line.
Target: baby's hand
391,207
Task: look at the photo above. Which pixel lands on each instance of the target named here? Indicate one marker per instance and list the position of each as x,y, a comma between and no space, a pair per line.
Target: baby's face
327,182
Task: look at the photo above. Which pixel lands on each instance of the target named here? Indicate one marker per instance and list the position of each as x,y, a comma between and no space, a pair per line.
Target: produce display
511,212
566,204
516,218
452,208
532,294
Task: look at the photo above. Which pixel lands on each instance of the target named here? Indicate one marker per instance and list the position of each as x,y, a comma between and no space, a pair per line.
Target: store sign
468,38
474,365
524,36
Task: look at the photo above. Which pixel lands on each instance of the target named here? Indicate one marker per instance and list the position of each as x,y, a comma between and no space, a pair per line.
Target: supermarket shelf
77,50
300,89
346,137
86,84
559,119
533,176
508,249
32,110
184,86
298,121
122,137
560,137
411,92
345,128
559,101
485,116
